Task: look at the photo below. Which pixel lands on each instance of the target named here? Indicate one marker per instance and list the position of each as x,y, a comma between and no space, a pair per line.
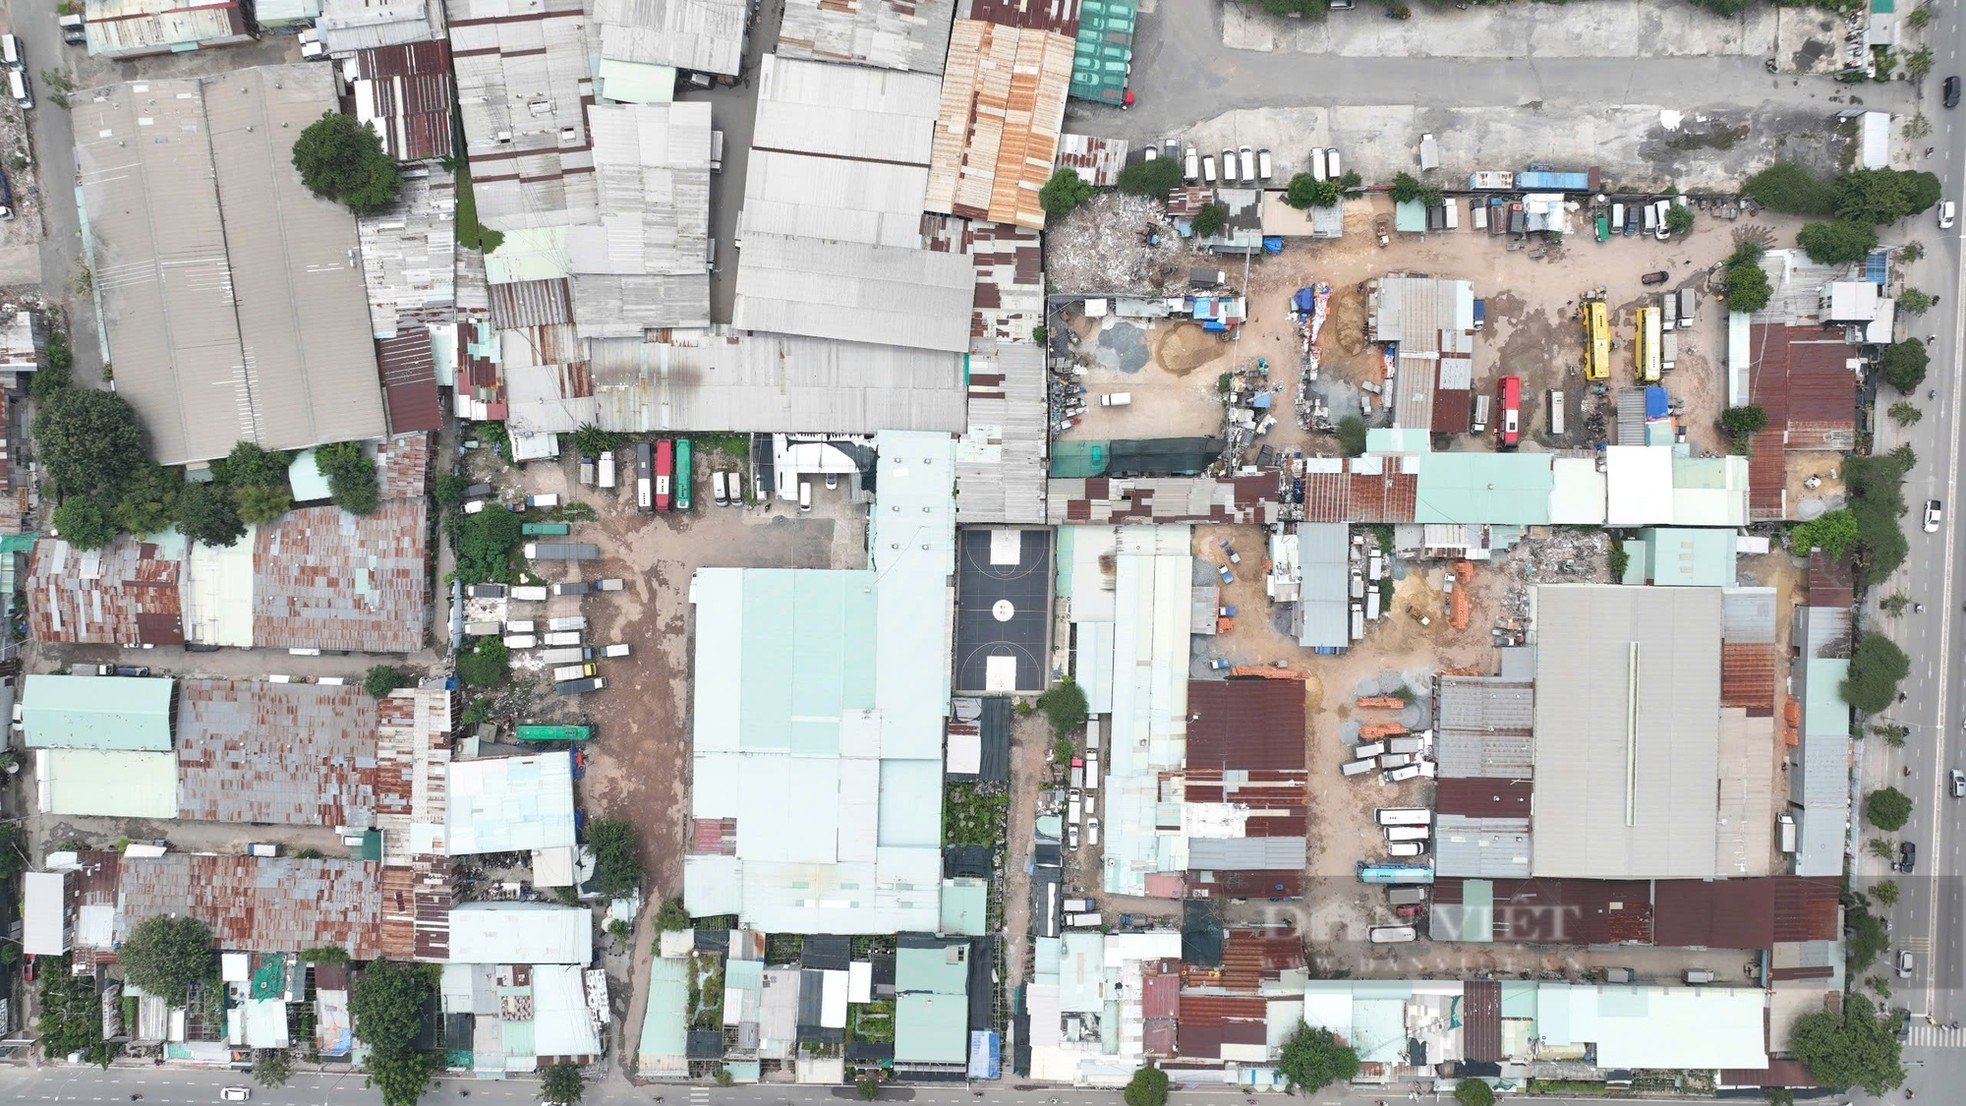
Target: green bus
682,474
546,529
555,733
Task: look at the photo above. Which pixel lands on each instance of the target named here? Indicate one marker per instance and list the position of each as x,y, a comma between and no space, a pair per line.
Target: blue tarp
985,1055
1657,405
1303,301
1260,401
1272,245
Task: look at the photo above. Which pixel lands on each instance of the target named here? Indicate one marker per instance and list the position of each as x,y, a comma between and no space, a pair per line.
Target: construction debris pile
1117,244
1310,307
1248,406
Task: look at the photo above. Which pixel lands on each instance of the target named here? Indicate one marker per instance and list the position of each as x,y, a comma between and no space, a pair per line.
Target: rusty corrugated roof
1209,1021
327,579
412,90
409,380
1251,957
125,593
1246,724
1747,677
1061,16
1483,797
1481,1020
996,136
1745,913
252,904
1831,582
284,754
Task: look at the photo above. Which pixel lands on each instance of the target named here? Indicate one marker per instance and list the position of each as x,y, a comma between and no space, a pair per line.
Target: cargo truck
616,650
574,687
567,622
606,468
562,551
567,654
555,733
519,626
574,672
531,593
570,637
1408,833
1689,301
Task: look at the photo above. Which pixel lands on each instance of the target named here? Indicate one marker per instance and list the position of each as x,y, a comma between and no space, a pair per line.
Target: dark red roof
1278,802
409,381
1246,724
1481,1021
1250,885
1250,956
1210,1021
1484,798
1564,911
1832,583
1778,1073
1801,379
412,93
1745,913
1452,412
1161,996
1747,677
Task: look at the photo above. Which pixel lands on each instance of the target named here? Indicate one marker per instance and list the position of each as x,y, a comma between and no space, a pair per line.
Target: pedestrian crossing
1924,1035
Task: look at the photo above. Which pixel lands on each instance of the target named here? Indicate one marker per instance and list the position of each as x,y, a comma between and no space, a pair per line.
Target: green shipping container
682,474
546,529
555,733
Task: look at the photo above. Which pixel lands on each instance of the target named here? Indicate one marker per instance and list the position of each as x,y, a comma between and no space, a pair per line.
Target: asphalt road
54,155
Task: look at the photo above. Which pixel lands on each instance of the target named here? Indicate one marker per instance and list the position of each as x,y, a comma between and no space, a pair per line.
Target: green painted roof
931,1011
1460,488
665,1030
1689,557
127,714
1824,711
1410,216
1478,911
823,664
965,907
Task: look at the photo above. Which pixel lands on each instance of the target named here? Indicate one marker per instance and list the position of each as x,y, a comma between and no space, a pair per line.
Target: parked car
1948,210
1934,513
1958,784
1907,857
1952,92
132,670
1904,964
1658,276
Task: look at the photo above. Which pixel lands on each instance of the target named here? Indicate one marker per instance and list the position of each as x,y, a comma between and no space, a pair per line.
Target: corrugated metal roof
123,713
1096,160
1484,727
1495,847
1745,913
1104,55
1562,911
644,264
509,804
1000,474
909,35
1831,582
404,91
1484,798
1209,1021
521,933
409,381
845,111
1246,724
1747,678
350,25
702,35
996,135
1631,676
409,253
522,83
327,579
1323,563
125,593
253,904
854,292
1481,1021
282,754
135,28
1747,616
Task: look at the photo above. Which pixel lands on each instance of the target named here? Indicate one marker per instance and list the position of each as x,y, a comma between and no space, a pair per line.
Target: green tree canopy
1679,220
1473,1092
343,159
166,954
148,500
1833,532
386,1004
1903,364
1064,706
1743,422
1747,287
671,915
249,465
351,477
486,665
1878,196
1839,242
561,1084
617,857
1306,191
1877,666
1209,220
1851,1049
1406,187
1148,1087
88,440
1887,808
1351,435
1063,192
1788,187
382,679
260,503
83,523
400,1077
1313,1058
271,1068
1152,179
484,543
207,514
868,1088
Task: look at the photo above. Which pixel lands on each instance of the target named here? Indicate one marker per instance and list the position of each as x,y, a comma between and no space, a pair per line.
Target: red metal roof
1745,913
1251,956
1832,583
1209,1021
1564,911
1484,798
1452,410
1161,993
1481,1021
1251,884
411,89
409,381
1061,16
1747,677
1801,379
1246,724
125,593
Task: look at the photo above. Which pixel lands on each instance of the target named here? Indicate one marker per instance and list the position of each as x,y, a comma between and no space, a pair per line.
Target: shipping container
1669,311
567,622
1394,873
572,587
1689,301
1092,734
1408,833
566,654
1391,935
644,479
519,641
1369,749
555,733
1401,775
486,591
561,551
682,474
1406,743
1075,809
1078,906
1406,896
1092,772
610,583
531,593
587,471
1395,760
1084,921
1403,816
1358,767
567,637
543,499
519,626
481,629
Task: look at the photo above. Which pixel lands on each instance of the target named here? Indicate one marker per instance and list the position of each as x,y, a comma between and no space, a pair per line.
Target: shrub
1063,192
382,679
351,477
1877,666
88,440
1788,187
1148,1087
487,665
1152,179
1065,706
617,858
1833,532
82,522
1405,187
1313,1058
208,515
1306,191
1836,243
1679,220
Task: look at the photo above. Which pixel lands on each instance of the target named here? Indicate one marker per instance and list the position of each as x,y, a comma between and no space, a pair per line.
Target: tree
382,679
1878,196
147,503
82,522
1351,435
1902,365
89,440
249,465
1914,302
486,665
722,1077
1405,187
449,490
561,1083
271,1068
1313,1058
1148,1087
1833,532
868,1088
207,514
483,544
1065,706
1840,242
1885,892
1888,809
1152,179
1306,191
1679,220
1747,287
1743,423
592,441
1876,667
1918,63
1209,220
342,159
1905,413
1473,1092
387,1007
1852,1049
671,915
168,953
351,477
1788,187
617,857
1063,192
259,504
1315,9
400,1077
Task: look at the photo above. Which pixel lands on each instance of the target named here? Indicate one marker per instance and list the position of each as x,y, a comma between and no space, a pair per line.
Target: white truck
1116,399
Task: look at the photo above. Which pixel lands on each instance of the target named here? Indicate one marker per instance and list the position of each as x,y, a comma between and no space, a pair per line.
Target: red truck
1509,392
665,471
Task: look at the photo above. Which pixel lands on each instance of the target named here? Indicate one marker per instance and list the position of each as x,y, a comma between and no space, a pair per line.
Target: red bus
1509,391
665,471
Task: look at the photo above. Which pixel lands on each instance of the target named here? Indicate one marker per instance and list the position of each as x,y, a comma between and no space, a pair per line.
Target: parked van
735,486
1388,935
567,622
1662,207
519,626
10,51
1092,734
1116,399
1333,168
805,496
1408,833
1453,214
1191,165
1317,163
1403,816
1556,411
532,593
1406,849
1617,217
1478,214
564,637
717,490
1650,216
23,95
1263,170
1700,975
1208,168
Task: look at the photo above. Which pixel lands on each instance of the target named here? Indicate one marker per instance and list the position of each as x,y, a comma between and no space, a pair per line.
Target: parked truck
569,637
1408,833
562,551
567,654
567,622
546,529
574,687
572,587
531,593
611,583
1404,816
616,650
1394,873
574,672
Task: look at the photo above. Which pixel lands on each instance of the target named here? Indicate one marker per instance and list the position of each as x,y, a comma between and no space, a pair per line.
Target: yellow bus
1645,351
1597,340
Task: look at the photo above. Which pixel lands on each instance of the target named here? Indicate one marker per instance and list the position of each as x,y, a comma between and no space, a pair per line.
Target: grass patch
472,234
971,816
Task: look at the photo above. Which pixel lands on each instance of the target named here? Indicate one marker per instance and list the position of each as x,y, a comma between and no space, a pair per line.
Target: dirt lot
638,765
1532,329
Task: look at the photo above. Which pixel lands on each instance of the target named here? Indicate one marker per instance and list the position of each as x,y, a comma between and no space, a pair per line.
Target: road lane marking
1940,767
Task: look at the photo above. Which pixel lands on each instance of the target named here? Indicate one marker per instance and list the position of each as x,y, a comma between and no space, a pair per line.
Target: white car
1948,211
1934,513
235,1094
1958,784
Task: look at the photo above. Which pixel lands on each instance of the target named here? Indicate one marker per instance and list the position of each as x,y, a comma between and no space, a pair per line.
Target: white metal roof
845,111
888,34
509,804
521,933
1151,623
1627,725
854,292
702,35
642,264
44,914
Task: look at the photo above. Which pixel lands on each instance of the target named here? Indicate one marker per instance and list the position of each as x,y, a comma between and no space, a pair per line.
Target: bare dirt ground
638,766
1030,738
1824,466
